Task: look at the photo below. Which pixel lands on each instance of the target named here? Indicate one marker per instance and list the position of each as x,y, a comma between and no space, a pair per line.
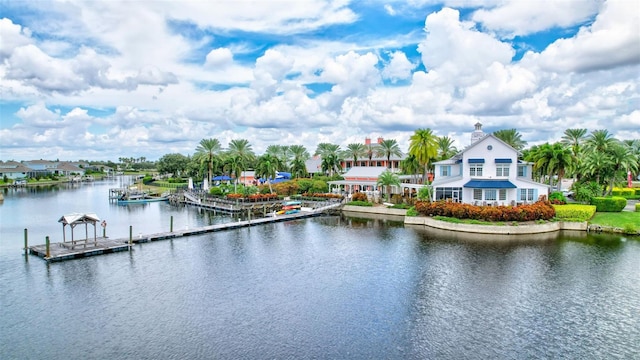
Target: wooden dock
61,251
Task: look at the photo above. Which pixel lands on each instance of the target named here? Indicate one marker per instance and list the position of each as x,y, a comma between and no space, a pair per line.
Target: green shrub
583,192
412,211
557,198
609,204
638,207
626,193
360,203
215,191
629,229
574,212
541,210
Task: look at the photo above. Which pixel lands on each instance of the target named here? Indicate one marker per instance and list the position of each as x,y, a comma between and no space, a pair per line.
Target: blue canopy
221,178
490,184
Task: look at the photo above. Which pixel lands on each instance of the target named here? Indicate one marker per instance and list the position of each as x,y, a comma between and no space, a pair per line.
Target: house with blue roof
487,172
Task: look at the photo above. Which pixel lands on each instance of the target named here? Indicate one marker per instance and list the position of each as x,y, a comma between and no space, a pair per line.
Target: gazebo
76,219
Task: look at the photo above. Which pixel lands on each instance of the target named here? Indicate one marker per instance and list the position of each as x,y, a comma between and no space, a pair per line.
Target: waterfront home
487,172
13,170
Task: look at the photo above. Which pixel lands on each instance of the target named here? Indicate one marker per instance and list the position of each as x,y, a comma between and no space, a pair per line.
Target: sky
101,80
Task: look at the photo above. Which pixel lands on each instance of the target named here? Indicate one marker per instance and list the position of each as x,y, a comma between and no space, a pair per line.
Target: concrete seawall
520,229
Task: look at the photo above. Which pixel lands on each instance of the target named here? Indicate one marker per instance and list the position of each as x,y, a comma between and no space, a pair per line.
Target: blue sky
108,79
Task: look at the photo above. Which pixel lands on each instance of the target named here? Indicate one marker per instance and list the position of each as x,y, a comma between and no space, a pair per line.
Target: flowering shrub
541,210
359,197
262,197
234,196
323,195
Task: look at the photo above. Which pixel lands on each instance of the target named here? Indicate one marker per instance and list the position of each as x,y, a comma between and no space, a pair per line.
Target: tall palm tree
267,166
574,138
210,148
511,137
330,155
355,151
622,160
600,140
561,159
446,149
298,164
423,144
371,150
234,164
282,152
387,179
596,164
388,148
410,166
241,148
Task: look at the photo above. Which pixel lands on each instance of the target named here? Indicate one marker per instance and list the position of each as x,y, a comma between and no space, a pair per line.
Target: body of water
333,287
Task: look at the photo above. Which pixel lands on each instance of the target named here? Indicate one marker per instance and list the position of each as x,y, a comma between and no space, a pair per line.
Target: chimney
380,140
367,141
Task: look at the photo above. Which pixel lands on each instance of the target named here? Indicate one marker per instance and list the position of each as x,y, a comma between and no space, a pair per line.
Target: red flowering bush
234,196
541,210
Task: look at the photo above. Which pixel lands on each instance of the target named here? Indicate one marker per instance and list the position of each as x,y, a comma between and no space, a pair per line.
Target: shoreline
521,229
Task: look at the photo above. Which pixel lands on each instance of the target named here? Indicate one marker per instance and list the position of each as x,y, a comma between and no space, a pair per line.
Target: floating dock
61,251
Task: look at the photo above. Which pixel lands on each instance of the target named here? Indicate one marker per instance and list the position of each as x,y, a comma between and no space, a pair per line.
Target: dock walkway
61,251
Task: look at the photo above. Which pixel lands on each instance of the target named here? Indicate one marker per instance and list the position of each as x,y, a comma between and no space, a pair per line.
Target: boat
290,207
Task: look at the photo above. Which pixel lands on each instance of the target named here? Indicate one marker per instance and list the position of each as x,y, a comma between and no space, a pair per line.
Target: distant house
358,179
40,167
67,169
13,170
487,172
314,165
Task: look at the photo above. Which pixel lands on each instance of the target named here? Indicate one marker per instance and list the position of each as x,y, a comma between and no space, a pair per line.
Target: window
522,170
477,194
445,193
445,170
502,194
502,170
490,194
526,194
475,169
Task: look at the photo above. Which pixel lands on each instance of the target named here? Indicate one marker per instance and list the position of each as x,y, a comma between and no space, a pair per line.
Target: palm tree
210,148
411,166
298,164
574,138
622,160
424,146
596,163
511,137
355,151
388,148
282,152
331,157
371,150
267,166
387,179
561,159
446,149
242,149
600,140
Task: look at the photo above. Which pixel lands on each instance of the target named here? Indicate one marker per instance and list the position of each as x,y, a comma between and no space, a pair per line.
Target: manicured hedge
625,192
637,207
609,204
574,212
541,210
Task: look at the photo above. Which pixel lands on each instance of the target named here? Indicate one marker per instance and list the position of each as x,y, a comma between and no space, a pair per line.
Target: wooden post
171,226
26,244
130,236
47,253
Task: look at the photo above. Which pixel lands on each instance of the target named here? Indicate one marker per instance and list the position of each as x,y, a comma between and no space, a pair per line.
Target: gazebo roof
77,218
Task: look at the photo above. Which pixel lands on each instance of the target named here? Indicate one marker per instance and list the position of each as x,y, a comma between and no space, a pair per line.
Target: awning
490,184
503,161
476,161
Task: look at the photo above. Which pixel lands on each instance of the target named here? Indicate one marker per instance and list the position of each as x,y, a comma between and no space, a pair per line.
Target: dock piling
47,243
130,236
171,224
26,245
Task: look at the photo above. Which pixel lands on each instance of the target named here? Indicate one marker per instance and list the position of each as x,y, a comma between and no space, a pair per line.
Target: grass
468,221
623,220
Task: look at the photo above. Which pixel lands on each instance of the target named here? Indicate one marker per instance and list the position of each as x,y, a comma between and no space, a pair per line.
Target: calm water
323,288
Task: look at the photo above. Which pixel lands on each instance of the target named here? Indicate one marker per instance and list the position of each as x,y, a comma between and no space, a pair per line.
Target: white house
487,172
13,170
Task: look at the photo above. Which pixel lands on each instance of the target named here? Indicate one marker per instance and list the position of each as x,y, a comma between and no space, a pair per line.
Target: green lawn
623,220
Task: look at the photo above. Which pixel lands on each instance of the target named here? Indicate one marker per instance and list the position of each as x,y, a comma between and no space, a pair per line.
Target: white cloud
12,36
398,68
219,58
525,17
612,41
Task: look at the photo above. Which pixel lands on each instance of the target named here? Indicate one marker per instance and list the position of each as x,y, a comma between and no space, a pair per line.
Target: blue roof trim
490,184
476,161
503,161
